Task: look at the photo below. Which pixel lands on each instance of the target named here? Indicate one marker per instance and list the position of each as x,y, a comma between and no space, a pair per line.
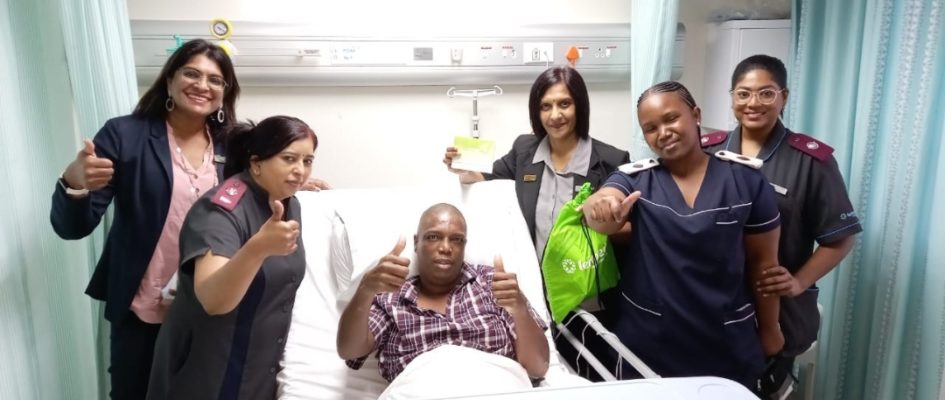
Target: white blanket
449,371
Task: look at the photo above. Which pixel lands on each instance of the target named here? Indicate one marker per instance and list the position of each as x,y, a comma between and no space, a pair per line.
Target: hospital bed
344,233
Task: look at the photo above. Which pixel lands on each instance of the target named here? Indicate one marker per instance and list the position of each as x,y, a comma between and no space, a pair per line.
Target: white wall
697,15
694,15
372,137
395,136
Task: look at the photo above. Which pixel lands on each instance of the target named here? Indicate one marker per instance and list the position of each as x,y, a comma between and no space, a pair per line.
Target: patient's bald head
440,244
437,210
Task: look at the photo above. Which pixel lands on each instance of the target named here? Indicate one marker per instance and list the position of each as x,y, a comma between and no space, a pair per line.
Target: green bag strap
590,245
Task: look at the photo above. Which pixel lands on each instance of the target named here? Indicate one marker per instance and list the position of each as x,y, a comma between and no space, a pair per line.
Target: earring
220,115
169,104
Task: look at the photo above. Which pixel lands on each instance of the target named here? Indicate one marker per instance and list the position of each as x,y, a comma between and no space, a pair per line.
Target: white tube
616,344
584,352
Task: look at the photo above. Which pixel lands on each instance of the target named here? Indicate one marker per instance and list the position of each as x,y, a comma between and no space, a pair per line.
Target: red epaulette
810,146
713,138
228,195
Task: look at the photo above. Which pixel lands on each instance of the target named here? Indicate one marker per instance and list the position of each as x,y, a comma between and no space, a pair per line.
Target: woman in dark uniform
700,228
241,263
548,165
810,193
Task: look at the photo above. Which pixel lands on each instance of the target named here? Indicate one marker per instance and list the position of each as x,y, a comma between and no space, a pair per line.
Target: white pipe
616,344
586,354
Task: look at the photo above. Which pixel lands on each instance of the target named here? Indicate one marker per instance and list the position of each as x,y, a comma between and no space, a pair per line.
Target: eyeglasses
191,75
765,96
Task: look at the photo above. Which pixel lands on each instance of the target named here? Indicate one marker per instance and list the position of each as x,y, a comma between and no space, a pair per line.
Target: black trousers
132,349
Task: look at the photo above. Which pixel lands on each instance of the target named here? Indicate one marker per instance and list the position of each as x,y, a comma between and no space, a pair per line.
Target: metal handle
474,93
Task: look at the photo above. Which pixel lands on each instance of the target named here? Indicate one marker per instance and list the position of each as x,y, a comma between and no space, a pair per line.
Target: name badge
530,178
780,189
219,159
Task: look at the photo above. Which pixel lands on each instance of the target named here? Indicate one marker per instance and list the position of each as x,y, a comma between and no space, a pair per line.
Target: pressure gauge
221,28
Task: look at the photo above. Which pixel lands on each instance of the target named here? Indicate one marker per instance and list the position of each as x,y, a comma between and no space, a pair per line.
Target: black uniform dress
234,355
814,206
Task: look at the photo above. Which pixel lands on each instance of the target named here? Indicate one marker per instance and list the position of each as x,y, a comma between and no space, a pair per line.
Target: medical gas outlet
538,52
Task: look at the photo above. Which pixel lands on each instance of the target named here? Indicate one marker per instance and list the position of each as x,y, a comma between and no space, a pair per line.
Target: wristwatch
70,191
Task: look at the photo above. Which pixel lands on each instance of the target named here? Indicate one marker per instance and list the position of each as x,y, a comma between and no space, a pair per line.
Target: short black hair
669,87
575,84
765,62
151,105
263,140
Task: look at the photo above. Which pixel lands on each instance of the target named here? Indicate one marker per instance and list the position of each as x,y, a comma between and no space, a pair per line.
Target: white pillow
362,239
493,221
339,254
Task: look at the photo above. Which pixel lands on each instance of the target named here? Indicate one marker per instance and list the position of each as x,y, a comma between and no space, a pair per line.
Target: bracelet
70,191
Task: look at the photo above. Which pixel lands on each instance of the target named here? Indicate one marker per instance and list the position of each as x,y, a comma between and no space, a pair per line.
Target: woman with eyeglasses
153,164
811,196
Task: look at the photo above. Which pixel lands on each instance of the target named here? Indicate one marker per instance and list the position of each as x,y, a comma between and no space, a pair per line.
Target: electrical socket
456,54
535,52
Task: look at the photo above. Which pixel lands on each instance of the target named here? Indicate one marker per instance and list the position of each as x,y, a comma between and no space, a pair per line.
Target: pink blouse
189,183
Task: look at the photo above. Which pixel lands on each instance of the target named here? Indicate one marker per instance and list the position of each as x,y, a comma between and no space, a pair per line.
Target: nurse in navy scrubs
701,227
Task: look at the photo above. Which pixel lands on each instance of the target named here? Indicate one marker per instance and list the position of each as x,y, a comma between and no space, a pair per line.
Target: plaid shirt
402,331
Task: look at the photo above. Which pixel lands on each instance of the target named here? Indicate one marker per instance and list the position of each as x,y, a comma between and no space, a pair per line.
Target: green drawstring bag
578,262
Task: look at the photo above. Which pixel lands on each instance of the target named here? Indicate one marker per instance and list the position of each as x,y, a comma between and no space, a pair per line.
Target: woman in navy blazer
130,162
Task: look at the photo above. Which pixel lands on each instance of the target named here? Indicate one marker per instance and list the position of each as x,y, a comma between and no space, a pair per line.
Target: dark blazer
518,163
141,188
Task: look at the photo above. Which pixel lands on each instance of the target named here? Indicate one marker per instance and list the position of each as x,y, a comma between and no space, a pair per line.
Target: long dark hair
151,104
263,140
575,84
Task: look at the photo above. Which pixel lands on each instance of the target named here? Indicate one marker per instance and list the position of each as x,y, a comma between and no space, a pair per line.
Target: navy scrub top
685,305
814,207
234,355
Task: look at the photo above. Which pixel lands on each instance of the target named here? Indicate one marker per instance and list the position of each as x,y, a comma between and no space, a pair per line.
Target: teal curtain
868,76
652,36
66,67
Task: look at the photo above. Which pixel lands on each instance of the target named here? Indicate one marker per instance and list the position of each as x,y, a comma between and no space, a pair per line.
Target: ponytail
237,148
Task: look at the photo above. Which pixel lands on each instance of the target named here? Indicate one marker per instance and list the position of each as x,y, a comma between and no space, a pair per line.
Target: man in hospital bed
450,303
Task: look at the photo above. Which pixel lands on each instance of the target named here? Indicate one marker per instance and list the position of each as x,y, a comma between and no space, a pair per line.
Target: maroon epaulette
713,138
228,195
810,146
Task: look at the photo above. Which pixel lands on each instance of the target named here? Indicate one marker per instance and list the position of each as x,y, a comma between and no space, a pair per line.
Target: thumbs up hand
505,289
88,171
389,274
609,208
277,237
